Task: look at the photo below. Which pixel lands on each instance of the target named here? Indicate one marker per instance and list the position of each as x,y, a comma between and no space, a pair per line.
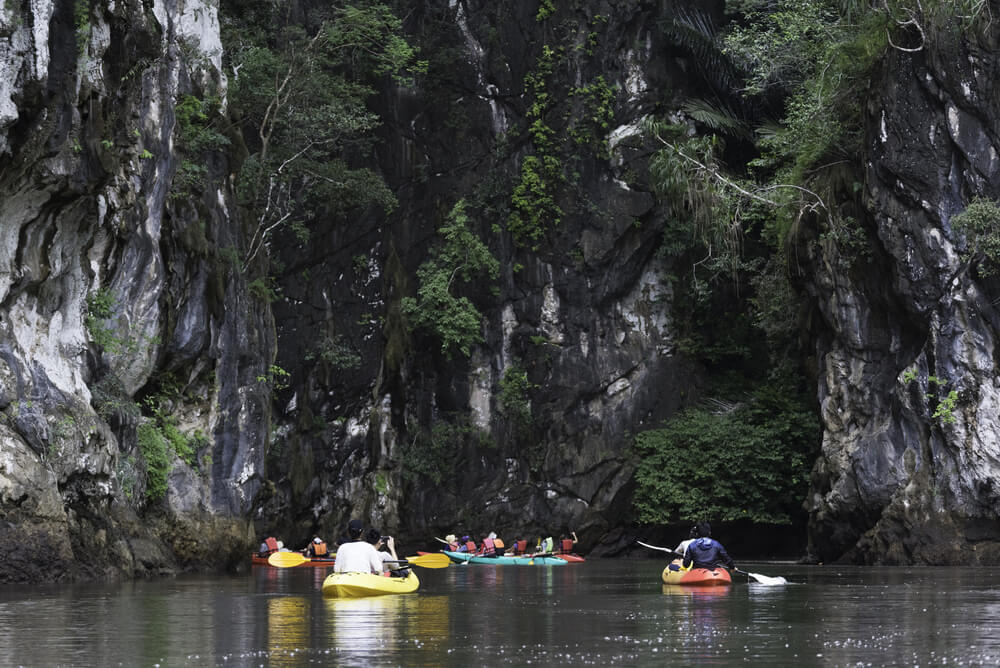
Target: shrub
980,225
458,260
153,445
747,462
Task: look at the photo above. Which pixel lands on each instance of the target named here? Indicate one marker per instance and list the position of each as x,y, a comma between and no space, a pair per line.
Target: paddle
287,559
661,549
433,560
762,579
290,559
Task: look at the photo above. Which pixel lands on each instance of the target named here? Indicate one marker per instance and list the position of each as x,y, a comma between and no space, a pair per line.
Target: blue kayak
526,560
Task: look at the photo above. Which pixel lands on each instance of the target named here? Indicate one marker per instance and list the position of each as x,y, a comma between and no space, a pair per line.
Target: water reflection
358,630
696,592
597,613
287,628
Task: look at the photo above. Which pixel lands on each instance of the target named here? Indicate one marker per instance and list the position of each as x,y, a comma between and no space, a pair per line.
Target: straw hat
451,538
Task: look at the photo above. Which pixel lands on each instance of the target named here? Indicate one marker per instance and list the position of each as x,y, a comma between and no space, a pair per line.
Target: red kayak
572,558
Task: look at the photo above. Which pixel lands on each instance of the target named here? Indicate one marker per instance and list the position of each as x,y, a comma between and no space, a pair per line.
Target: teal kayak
460,557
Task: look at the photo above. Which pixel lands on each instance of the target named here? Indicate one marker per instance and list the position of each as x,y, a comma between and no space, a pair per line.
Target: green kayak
459,557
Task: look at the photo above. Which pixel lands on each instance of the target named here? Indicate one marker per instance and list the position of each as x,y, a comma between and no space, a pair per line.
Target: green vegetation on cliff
729,462
301,83
459,259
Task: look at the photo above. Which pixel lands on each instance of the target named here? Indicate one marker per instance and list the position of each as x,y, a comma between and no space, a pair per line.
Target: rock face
905,476
126,320
582,311
111,287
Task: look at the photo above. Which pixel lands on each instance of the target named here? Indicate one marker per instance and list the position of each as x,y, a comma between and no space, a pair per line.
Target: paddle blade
766,580
433,560
286,559
655,547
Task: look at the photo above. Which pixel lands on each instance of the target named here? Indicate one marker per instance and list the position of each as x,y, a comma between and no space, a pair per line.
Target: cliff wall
147,423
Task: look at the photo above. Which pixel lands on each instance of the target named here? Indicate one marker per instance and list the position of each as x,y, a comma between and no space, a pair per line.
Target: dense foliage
744,461
300,84
739,186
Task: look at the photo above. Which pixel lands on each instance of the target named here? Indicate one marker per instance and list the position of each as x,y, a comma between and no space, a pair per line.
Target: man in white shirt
357,556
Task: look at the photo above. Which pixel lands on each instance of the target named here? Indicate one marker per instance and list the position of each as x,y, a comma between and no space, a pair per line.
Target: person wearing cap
317,548
357,555
375,537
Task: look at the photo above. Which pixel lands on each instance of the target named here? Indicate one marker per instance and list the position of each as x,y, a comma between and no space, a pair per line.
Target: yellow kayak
357,585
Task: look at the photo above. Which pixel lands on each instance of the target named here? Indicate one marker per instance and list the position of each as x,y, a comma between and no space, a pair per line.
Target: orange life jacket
453,547
319,549
272,543
470,546
520,547
488,548
567,545
498,544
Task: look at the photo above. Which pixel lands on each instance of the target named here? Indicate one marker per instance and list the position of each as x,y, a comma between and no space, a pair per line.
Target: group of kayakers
317,548
492,545
358,550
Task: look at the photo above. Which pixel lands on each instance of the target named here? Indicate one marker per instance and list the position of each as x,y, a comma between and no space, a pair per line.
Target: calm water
605,612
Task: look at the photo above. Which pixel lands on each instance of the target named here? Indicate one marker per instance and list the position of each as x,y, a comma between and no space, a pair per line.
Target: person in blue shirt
706,552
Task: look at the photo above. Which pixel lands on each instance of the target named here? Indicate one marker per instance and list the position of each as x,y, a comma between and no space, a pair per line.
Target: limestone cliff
142,425
901,481
113,287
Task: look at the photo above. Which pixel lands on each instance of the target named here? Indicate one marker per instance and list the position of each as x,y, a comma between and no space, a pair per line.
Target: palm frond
717,115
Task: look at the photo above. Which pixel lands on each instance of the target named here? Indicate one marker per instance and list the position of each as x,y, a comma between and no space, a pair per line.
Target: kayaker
268,547
566,543
358,555
377,540
317,548
683,545
487,549
706,552
452,541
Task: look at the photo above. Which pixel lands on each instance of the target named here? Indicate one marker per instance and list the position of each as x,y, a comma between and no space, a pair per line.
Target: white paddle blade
654,547
769,581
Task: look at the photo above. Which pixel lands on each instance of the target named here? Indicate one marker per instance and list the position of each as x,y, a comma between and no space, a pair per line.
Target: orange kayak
700,577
